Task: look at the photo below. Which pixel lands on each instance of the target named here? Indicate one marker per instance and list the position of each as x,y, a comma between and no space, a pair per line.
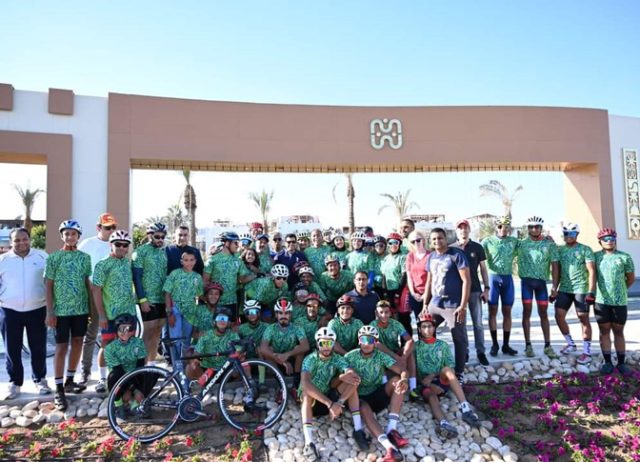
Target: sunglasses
608,239
501,226
121,245
394,242
292,242
280,278
253,311
222,318
277,239
534,226
108,228
124,328
159,237
416,241
380,244
325,343
572,234
367,340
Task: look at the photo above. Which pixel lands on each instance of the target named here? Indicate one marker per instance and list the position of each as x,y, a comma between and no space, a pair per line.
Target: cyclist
536,255
149,269
300,293
123,355
276,244
327,383
245,242
262,248
256,229
253,328
269,289
303,240
112,292
395,341
335,281
66,277
359,259
500,250
364,299
202,318
345,326
317,252
378,254
312,318
290,256
338,247
376,393
406,227
392,269
434,361
306,275
577,287
284,343
616,273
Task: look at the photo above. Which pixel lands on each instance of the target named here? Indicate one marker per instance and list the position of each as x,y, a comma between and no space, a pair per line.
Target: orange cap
107,219
462,223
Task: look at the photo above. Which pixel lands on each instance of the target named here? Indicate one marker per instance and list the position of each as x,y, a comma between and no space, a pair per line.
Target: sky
578,53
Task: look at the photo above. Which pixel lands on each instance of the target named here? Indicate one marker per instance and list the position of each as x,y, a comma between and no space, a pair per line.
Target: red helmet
607,232
395,236
345,300
213,285
315,297
425,317
256,225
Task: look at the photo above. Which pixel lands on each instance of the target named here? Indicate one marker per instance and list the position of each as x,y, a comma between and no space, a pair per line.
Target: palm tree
28,198
262,201
190,205
351,196
400,203
175,217
495,188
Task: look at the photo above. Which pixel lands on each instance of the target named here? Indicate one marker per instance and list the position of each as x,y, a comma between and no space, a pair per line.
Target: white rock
102,413
501,371
420,451
15,414
475,448
582,368
428,458
23,421
494,442
39,419
484,432
82,412
504,450
507,365
477,458
31,405
30,413
55,417
4,412
511,457
6,422
92,411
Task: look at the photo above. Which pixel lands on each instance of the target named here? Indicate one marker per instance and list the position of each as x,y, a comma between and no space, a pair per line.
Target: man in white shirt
97,247
23,306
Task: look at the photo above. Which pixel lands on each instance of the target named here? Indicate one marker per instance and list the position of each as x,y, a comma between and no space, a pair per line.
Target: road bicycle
250,394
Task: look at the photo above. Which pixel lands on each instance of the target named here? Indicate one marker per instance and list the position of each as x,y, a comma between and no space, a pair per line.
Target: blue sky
542,53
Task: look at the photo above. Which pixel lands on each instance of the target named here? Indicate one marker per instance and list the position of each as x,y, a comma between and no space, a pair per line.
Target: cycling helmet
377,239
228,236
358,235
306,270
604,232
368,330
246,237
300,286
214,285
157,228
425,318
283,306
331,258
70,224
303,235
280,271
325,333
297,266
315,297
535,221
120,235
394,236
571,228
345,300
251,305
125,318
262,236
222,310
337,234
503,220
256,225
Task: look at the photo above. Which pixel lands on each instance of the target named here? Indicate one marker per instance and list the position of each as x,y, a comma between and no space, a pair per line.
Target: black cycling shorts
71,326
610,314
378,399
157,312
319,409
565,299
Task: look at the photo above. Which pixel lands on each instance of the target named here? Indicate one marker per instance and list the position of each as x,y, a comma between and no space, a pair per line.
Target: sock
586,347
607,356
547,344
444,421
357,420
307,430
506,334
70,375
569,340
392,422
494,337
384,441
413,384
621,357
465,406
103,372
59,381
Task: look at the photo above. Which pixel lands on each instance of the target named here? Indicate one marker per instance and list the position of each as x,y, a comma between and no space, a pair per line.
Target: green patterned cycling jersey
315,257
574,277
375,261
336,288
283,340
314,288
359,260
152,261
323,370
199,316
114,276
212,342
346,333
300,311
392,269
500,253
226,269
431,358
266,262
535,258
264,291
371,369
69,270
118,353
342,257
310,327
184,287
391,334
612,269
255,333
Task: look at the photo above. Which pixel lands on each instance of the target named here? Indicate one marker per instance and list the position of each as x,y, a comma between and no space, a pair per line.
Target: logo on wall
386,131
630,159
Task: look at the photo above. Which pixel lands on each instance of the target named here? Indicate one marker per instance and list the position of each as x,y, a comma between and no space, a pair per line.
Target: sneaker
85,376
528,351
606,369
60,400
12,391
584,358
506,349
460,377
550,352
623,369
72,387
568,349
101,386
414,395
310,452
447,430
471,418
494,350
392,455
361,439
397,439
43,387
483,359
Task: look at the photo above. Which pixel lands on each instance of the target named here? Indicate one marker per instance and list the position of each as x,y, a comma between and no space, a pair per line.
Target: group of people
337,318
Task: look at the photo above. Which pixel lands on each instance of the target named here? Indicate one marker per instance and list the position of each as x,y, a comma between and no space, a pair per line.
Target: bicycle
251,395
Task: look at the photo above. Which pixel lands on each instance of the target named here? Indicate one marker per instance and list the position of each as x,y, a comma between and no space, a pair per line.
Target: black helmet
229,236
223,310
125,318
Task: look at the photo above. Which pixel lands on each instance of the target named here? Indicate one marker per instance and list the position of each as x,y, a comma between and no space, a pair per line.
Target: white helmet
120,235
280,271
251,305
535,221
359,235
571,228
325,333
306,269
368,330
246,236
70,224
283,306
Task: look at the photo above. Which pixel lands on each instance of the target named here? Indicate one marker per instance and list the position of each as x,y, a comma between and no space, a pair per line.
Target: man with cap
262,249
97,247
477,259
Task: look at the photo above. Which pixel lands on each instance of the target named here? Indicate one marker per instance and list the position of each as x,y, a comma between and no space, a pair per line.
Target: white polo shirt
97,250
21,280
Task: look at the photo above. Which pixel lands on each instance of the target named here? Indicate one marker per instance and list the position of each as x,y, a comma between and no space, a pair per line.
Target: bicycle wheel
144,404
240,406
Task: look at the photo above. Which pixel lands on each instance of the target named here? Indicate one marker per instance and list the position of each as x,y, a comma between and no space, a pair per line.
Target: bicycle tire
266,411
160,402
